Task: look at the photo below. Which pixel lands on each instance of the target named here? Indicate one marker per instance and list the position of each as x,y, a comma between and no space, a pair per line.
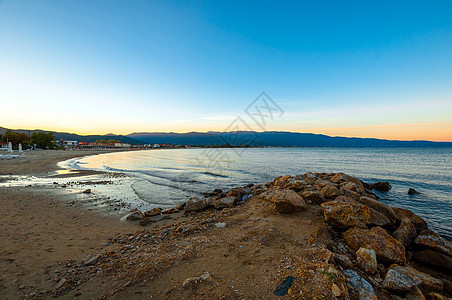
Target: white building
69,144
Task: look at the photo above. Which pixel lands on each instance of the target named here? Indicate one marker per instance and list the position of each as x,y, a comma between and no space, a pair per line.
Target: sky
379,69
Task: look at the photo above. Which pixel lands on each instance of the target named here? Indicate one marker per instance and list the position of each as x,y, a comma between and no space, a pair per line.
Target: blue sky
350,68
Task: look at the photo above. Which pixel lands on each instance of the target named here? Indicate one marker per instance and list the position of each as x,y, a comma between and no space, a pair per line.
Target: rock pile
378,249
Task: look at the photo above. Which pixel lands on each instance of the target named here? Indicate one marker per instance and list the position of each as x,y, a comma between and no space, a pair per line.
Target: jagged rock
171,210
436,243
350,186
235,193
427,282
283,201
417,221
295,184
308,177
152,212
360,286
344,215
412,192
367,260
380,207
225,202
415,294
398,280
406,232
136,215
314,196
195,204
88,191
377,218
330,192
281,181
341,177
436,296
385,246
350,193
382,186
433,258
342,260
345,199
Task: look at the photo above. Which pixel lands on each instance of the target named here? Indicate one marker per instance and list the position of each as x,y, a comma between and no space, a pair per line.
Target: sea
166,177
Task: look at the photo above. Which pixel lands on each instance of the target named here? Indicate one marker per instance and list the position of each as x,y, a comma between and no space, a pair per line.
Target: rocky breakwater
373,250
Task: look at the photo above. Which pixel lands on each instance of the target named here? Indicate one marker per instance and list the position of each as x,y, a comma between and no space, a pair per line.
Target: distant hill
274,139
80,138
252,138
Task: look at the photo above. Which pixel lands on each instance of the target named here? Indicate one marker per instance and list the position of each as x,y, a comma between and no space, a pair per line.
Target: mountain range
252,138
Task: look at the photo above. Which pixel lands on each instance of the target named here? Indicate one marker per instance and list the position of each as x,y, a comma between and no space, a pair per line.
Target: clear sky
350,68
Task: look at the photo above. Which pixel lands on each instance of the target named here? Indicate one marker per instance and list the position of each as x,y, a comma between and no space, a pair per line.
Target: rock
377,218
350,194
345,199
415,294
61,283
341,177
400,281
382,186
436,243
335,290
412,192
281,181
152,212
314,196
427,282
436,296
180,206
235,193
330,192
283,201
350,186
88,191
417,221
295,184
406,232
360,286
342,260
136,215
90,260
433,258
380,207
171,210
220,225
367,260
344,215
197,279
385,246
447,286
284,287
309,178
195,204
225,202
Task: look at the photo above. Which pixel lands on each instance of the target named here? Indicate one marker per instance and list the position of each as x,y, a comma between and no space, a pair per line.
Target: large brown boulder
367,260
417,221
380,207
385,246
344,215
330,192
195,204
295,184
427,282
377,218
314,196
398,280
434,242
433,258
382,186
406,233
283,201
225,202
341,177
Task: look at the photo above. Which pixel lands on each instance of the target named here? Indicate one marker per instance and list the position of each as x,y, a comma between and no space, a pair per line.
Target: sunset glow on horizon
89,68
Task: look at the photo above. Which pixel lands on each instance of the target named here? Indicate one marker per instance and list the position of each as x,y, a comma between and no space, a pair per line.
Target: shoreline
242,243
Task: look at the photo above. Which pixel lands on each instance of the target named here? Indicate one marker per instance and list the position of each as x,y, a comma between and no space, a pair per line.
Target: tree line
41,139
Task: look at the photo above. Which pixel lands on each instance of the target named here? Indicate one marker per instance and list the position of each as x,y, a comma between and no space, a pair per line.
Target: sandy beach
275,243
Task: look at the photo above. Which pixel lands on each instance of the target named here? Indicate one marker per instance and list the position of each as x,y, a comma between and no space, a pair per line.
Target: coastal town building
3,145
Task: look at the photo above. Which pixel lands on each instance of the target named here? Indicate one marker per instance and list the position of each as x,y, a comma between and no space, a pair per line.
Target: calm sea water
167,177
